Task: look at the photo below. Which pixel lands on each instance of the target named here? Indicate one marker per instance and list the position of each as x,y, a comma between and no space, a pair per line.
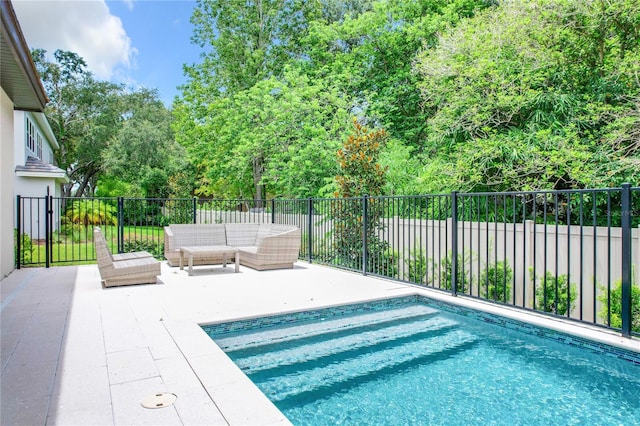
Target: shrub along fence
565,253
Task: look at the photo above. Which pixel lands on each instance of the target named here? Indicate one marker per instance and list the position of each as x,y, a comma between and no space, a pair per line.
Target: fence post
365,225
454,243
19,226
49,237
120,224
273,210
626,259
310,229
195,206
47,207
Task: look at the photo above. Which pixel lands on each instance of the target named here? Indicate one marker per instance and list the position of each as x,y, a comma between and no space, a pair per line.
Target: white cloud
85,27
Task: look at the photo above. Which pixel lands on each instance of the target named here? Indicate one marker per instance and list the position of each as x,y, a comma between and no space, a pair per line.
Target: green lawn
75,247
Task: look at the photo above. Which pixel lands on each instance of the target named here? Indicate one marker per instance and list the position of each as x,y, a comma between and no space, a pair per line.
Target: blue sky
136,42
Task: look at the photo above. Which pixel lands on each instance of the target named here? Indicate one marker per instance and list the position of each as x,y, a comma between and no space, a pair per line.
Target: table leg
181,260
190,264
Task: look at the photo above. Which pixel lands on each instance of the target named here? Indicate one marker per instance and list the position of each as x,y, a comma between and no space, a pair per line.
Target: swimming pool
412,360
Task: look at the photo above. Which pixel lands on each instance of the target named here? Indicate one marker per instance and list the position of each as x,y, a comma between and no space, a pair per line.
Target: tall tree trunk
258,169
86,179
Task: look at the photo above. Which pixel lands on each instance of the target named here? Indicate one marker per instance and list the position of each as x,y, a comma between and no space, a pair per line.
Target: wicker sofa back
260,246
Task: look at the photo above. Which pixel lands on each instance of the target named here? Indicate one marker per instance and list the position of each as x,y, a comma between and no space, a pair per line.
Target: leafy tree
83,114
102,128
358,161
527,96
111,186
338,10
361,175
245,42
144,152
476,95
402,167
240,93
366,50
353,55
277,137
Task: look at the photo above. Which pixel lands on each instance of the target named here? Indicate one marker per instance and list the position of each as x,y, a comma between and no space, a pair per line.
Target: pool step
277,336
348,345
364,367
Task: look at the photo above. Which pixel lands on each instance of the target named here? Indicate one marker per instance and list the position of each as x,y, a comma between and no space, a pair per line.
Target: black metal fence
565,253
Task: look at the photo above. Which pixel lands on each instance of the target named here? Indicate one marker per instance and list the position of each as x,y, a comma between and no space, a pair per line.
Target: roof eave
20,70
59,176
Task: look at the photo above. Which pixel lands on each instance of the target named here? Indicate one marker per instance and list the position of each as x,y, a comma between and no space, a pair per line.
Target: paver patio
74,353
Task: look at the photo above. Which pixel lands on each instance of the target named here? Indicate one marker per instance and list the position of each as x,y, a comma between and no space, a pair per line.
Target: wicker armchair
117,270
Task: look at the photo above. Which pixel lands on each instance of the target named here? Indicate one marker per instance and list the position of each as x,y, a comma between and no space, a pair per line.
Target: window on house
39,146
35,140
31,136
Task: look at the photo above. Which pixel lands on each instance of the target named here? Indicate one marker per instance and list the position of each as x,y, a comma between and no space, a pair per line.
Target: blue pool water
413,361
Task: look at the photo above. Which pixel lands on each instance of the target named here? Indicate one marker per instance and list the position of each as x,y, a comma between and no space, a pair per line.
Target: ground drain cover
159,400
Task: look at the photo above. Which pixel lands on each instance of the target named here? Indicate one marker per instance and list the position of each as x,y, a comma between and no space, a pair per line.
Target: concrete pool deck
74,353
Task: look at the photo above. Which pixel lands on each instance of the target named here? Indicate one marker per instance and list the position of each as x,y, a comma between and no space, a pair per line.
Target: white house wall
20,135
7,195
33,192
33,189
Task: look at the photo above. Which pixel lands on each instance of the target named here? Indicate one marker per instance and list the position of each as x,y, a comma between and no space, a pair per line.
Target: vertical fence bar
273,210
581,261
479,221
556,296
544,268
46,230
524,253
609,253
595,258
487,245
364,234
568,295
454,243
310,228
194,204
515,252
469,215
435,236
626,259
49,236
19,237
120,228
491,286
504,249
462,266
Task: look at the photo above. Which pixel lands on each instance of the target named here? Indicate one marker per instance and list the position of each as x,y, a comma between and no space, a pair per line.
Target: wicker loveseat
260,246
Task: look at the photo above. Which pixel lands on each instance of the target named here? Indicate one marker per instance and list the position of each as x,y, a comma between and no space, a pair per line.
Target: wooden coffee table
209,251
